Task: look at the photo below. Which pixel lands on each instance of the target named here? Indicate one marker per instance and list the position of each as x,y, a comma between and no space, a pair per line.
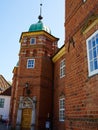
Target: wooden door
26,118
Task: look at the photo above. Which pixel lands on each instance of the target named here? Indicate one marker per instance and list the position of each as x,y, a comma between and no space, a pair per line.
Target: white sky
16,16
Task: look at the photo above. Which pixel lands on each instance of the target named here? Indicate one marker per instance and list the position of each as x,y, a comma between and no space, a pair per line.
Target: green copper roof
38,27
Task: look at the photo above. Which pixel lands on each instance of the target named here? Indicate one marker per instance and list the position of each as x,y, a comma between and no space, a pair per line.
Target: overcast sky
16,16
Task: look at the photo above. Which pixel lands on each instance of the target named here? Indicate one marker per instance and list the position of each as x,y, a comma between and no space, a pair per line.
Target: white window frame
92,49
62,68
62,109
32,64
32,43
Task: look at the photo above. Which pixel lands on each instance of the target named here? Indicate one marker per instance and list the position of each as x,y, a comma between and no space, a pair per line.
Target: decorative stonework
27,102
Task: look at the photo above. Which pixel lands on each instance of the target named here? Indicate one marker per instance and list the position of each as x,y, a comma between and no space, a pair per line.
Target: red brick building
81,84
58,88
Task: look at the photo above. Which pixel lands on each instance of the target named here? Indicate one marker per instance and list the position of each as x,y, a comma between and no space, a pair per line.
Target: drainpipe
52,98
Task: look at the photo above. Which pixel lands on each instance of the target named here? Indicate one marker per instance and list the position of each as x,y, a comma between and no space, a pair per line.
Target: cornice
60,53
42,32
15,69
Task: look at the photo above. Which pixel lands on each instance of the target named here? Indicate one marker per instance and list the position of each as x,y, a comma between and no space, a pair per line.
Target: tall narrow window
2,102
62,68
30,63
61,109
92,53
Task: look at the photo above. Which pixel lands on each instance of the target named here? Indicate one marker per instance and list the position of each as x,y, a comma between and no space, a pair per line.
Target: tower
33,77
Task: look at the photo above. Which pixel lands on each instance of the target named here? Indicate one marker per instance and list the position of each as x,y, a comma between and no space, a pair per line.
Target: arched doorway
26,113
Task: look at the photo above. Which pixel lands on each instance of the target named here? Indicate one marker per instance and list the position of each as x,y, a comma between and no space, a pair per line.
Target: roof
7,92
38,27
59,53
4,85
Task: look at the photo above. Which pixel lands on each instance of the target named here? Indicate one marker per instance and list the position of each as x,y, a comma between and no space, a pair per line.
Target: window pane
90,55
91,66
95,64
64,71
61,64
93,42
97,39
94,52
89,44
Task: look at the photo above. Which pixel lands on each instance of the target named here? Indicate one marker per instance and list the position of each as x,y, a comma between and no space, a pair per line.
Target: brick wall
46,91
77,14
59,90
81,90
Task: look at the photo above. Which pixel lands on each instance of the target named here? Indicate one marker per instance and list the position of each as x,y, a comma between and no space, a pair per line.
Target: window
30,63
62,109
92,53
32,40
62,68
1,102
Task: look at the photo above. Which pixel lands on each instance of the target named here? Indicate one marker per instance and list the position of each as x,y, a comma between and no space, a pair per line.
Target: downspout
52,97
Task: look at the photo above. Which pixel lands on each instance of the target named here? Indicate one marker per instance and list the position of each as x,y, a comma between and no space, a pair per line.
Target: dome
38,27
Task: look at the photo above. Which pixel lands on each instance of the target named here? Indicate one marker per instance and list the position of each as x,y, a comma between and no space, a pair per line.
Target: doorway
26,118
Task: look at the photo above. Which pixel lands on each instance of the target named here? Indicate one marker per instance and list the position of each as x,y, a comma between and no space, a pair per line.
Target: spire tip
40,16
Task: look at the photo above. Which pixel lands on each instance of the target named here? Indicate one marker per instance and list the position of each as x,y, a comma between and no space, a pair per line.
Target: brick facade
81,90
39,78
59,92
